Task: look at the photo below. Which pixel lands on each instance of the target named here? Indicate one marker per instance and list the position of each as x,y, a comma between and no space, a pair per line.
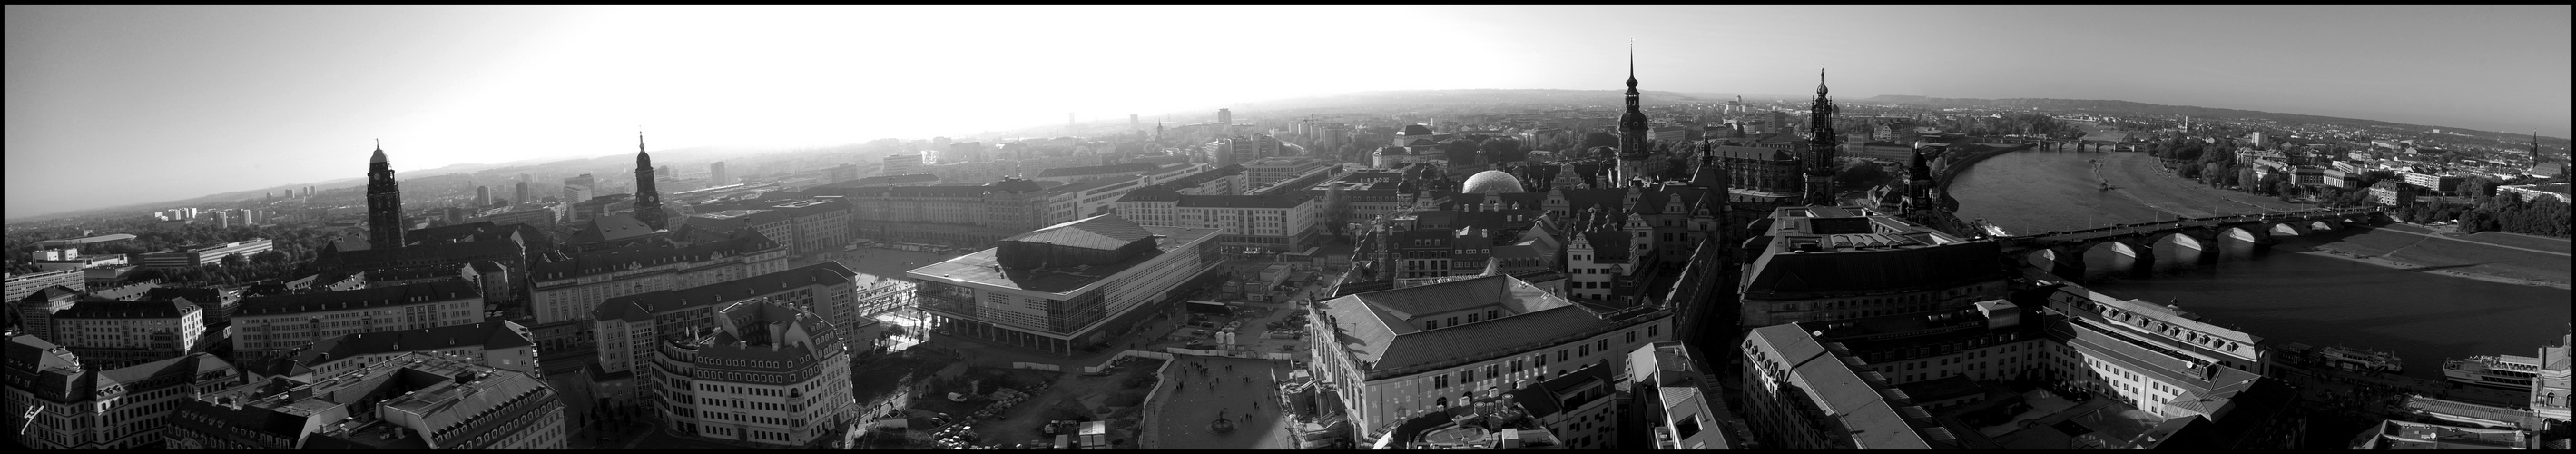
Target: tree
1599,139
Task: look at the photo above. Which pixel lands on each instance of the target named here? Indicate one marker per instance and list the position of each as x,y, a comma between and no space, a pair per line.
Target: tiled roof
1371,326
610,228
1864,270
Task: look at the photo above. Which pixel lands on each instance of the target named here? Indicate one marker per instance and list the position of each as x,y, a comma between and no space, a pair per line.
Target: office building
185,257
1836,262
1924,379
113,334
20,285
1396,354
567,291
1267,171
806,225
716,172
57,402
1282,223
271,325
496,344
765,373
1675,402
414,401
622,332
1065,286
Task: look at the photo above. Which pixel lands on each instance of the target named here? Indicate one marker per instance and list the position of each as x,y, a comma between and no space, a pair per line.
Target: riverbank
2329,251
2141,178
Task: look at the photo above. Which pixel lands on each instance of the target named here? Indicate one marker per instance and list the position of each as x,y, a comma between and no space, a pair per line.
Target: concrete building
806,226
1672,399
896,164
2435,181
764,373
2534,192
1065,286
1076,174
20,285
568,288
57,402
1266,171
1917,379
113,334
1829,263
269,326
496,344
1284,223
1396,354
623,333
186,257
413,401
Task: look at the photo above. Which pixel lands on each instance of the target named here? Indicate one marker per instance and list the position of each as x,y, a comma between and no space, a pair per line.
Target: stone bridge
2068,145
2065,249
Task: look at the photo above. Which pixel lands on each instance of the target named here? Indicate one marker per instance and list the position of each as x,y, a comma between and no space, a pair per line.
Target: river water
2279,295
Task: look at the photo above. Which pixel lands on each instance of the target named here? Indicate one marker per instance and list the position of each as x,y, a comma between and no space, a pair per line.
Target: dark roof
1373,326
1867,270
742,242
1290,200
610,228
360,298
1414,130
1104,232
485,250
1098,170
51,292
155,308
490,335
203,296
1016,186
645,305
882,179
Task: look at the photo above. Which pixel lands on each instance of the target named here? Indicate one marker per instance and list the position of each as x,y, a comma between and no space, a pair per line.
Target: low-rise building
20,285
570,287
413,401
765,373
57,402
622,332
270,326
497,344
1282,223
1674,403
1062,287
187,257
1395,354
1830,263
2534,192
113,334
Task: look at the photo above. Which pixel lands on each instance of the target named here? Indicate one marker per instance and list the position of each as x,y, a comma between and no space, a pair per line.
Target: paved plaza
1192,399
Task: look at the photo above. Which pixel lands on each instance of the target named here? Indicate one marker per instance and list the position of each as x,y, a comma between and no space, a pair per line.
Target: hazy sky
111,105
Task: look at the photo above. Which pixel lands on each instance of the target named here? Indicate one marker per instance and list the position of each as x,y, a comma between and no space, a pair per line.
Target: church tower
648,203
1918,186
1820,148
1632,131
384,204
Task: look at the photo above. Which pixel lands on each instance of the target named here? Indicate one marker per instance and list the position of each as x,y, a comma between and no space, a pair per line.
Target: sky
114,105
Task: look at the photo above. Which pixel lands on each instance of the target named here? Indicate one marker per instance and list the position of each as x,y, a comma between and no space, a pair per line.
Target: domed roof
1492,182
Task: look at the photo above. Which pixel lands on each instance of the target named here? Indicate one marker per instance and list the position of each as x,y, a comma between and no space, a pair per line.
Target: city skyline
484,84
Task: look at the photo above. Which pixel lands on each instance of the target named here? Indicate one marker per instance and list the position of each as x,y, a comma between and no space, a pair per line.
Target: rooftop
982,267
1378,328
644,306
425,292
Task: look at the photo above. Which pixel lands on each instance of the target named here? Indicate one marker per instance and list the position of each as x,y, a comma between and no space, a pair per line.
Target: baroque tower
1820,147
384,204
648,203
1632,131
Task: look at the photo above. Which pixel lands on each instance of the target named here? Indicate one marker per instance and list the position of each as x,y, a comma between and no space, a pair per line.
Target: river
2281,295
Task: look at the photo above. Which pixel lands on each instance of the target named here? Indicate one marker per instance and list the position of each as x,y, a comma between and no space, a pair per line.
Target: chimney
777,334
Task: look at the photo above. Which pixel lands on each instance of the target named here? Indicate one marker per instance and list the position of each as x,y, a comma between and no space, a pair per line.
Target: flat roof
981,268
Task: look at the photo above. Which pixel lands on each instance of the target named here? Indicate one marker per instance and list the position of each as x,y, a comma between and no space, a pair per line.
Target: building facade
766,373
625,332
57,402
272,325
188,257
413,401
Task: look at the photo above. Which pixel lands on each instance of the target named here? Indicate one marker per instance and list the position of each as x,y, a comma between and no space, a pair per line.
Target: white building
1059,287
1396,354
766,373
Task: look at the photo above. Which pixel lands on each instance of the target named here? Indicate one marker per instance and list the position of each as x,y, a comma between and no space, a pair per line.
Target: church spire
1632,69
380,151
1821,145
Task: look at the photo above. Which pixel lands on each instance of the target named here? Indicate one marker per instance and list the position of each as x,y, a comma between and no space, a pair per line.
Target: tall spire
1821,144
1820,81
380,151
1632,67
